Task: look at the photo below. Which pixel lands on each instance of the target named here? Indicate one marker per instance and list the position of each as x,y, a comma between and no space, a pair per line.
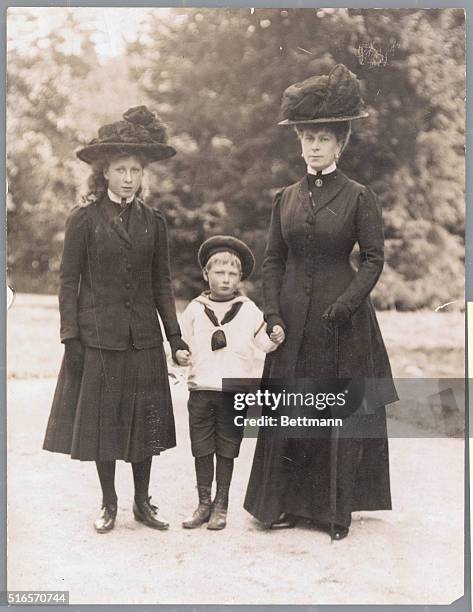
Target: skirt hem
113,458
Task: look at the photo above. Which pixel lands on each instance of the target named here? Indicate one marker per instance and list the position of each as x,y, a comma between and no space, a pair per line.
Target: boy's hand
177,344
277,335
183,357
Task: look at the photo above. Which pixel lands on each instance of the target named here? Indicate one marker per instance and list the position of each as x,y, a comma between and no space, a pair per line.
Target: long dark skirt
120,407
293,475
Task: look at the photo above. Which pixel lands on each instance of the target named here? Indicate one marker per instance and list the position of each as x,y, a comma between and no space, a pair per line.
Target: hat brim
325,119
217,244
152,152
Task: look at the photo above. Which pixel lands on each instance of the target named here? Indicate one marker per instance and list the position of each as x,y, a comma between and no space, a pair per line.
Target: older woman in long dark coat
112,400
322,305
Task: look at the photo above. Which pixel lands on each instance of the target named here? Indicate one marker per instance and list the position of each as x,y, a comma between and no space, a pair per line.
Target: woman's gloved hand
183,358
337,313
273,321
74,355
177,344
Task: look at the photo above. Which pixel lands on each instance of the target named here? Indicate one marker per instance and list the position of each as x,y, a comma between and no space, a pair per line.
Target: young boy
221,327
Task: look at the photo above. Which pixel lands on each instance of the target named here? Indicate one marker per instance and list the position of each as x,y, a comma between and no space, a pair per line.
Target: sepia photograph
200,196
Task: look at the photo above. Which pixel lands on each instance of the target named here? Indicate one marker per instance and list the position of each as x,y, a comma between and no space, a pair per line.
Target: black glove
337,314
273,320
74,355
177,344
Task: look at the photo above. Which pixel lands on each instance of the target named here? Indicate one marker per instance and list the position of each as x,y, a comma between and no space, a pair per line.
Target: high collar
327,170
114,198
322,178
113,212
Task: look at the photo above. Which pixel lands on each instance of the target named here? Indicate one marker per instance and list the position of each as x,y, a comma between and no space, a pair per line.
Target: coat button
127,286
128,267
307,290
309,220
127,304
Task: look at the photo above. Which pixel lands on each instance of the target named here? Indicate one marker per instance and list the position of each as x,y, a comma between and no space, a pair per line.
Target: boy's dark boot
202,513
218,517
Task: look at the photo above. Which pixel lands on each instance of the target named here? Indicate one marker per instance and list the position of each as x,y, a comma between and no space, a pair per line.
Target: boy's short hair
224,257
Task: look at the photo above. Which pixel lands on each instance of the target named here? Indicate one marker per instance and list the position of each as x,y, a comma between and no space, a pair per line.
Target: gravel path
413,554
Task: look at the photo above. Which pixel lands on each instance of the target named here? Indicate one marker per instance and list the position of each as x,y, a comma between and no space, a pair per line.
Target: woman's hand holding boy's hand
277,335
178,346
183,357
275,328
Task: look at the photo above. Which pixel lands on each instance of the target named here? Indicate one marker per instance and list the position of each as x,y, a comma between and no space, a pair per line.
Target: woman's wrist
177,344
271,321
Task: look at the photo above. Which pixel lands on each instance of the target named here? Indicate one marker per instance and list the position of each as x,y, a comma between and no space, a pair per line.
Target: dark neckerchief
219,340
228,316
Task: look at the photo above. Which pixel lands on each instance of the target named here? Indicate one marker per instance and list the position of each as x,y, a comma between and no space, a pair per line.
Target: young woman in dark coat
314,296
112,399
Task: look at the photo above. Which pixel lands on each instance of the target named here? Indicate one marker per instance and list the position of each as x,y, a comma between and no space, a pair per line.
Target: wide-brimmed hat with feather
140,133
323,99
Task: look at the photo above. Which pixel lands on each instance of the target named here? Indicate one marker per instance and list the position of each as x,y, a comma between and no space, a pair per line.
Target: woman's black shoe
285,521
146,513
340,532
106,521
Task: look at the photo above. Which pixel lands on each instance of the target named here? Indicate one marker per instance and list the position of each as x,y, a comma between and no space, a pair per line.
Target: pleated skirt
119,407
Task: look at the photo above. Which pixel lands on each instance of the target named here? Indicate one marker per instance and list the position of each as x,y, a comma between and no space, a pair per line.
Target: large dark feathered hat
140,133
323,99
217,244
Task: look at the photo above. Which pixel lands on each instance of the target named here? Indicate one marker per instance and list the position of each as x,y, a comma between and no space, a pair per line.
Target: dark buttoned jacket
113,280
306,269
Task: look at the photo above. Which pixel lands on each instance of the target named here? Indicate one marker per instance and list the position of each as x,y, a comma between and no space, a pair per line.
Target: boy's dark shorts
211,425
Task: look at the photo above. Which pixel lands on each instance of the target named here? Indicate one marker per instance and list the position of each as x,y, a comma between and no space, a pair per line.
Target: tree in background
41,81
216,76
58,93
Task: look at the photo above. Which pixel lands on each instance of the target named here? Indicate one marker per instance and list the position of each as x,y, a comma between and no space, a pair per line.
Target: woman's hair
340,129
97,184
223,257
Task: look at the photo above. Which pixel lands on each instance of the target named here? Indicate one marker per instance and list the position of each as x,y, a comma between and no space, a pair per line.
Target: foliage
56,98
216,77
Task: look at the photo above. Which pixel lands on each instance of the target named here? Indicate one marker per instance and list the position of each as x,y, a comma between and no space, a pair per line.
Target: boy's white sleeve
260,338
186,321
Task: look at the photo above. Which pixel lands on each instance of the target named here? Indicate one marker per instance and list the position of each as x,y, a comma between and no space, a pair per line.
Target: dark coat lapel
110,214
323,195
136,225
